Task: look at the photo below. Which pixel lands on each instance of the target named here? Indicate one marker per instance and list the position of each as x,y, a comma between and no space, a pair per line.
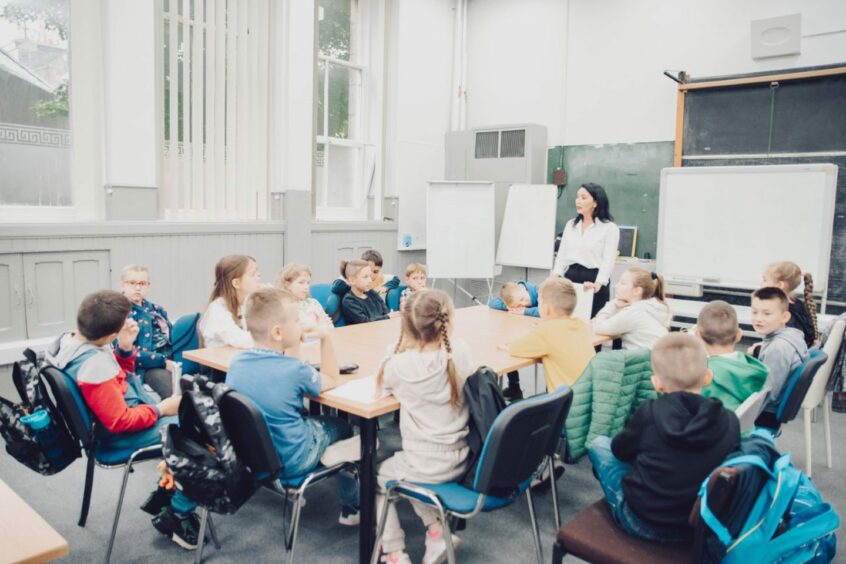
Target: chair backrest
393,297
751,408
816,392
321,293
185,336
519,439
333,303
797,386
68,400
247,430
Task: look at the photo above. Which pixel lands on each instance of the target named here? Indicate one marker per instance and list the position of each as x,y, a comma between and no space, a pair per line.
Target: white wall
618,49
516,59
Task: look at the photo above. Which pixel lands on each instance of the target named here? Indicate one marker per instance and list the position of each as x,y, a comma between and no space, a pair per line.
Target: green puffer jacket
613,385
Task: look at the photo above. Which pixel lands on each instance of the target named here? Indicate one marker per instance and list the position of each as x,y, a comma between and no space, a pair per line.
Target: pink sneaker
436,549
401,558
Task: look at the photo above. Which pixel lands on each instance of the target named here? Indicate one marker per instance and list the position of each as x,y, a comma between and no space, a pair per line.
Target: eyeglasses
137,283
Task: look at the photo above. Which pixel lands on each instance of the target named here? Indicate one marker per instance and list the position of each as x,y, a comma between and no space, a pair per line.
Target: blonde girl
296,278
426,371
787,276
235,278
638,313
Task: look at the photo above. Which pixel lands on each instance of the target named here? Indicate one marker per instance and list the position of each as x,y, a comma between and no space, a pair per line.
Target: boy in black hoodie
651,471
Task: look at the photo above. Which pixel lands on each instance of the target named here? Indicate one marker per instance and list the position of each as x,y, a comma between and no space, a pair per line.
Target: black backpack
49,449
201,457
485,401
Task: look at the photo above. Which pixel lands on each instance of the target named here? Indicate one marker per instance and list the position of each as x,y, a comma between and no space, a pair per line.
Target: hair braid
810,303
380,376
452,373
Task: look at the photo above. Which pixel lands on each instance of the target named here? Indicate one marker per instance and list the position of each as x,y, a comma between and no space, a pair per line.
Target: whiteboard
724,224
527,236
417,163
460,234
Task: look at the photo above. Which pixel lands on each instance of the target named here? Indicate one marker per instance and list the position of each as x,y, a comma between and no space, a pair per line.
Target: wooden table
482,328
24,535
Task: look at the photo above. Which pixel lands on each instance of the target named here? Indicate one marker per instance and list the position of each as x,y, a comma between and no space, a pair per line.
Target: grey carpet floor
254,533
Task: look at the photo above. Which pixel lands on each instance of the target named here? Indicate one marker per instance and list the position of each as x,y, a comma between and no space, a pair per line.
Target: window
345,162
215,109
35,137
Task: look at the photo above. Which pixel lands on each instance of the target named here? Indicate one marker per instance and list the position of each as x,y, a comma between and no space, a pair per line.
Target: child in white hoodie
637,314
426,372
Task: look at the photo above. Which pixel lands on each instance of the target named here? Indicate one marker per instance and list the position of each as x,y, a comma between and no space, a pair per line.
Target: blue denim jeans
147,437
326,430
610,471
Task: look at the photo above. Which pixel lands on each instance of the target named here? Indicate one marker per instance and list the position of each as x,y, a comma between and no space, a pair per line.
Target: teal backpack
776,514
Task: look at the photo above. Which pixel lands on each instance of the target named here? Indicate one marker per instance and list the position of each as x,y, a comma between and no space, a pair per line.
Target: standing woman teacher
589,245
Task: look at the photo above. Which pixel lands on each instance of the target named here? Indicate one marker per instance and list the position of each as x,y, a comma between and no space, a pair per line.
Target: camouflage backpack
201,456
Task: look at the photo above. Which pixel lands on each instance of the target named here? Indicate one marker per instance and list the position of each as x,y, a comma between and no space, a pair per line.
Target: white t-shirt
219,329
596,247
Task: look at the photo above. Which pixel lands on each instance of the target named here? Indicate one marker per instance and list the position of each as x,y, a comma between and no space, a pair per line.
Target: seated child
381,282
519,298
235,278
562,342
127,416
651,472
415,279
277,382
296,278
783,348
786,276
360,303
426,371
638,313
737,375
153,344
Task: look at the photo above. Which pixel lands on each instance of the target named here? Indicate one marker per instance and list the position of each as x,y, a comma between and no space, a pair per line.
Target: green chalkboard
630,174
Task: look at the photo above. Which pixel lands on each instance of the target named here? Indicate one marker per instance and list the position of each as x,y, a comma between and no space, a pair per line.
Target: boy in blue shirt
519,298
272,376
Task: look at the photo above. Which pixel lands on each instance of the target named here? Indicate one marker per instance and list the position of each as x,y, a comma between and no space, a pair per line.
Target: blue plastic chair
185,336
393,297
515,451
82,426
321,293
797,386
333,302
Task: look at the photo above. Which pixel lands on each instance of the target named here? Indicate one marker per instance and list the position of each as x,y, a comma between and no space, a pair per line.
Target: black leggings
578,274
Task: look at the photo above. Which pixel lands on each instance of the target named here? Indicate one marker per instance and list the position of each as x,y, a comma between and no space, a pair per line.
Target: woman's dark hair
601,212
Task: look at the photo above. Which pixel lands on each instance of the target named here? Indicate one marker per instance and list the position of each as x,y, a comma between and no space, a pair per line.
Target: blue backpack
776,514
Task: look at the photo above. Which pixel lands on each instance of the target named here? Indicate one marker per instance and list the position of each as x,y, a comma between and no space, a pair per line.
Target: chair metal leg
201,540
806,412
554,486
535,532
213,533
447,533
557,553
826,407
117,511
86,490
295,526
380,530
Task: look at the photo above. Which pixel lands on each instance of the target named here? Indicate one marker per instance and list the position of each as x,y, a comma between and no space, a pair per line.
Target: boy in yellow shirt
562,342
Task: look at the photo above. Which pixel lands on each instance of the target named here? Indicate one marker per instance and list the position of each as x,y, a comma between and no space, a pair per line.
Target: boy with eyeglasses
153,343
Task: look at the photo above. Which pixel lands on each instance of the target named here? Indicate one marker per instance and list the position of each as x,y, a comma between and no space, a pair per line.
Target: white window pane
334,28
339,176
34,121
344,100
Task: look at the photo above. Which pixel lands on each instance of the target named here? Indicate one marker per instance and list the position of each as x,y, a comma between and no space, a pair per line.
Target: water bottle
46,436
176,376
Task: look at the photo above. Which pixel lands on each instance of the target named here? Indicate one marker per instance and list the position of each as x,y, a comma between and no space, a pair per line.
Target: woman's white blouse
596,247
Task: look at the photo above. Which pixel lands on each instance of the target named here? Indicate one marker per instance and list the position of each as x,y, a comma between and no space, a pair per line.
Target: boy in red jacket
128,417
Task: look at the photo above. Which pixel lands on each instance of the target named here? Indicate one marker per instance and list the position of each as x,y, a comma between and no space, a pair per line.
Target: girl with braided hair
787,276
425,370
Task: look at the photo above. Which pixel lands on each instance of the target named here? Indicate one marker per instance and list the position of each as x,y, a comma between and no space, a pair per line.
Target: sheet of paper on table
362,390
584,303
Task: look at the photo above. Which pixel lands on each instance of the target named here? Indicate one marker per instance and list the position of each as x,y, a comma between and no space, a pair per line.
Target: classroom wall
516,63
615,90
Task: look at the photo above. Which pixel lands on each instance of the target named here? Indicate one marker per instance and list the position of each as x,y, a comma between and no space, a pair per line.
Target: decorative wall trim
28,135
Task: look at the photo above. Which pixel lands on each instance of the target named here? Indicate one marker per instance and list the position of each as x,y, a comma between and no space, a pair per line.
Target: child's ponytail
452,373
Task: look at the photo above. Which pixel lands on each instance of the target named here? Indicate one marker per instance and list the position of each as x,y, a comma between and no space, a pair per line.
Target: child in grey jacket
426,372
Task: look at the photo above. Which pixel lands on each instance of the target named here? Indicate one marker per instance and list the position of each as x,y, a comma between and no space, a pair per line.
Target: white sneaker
401,558
436,549
350,516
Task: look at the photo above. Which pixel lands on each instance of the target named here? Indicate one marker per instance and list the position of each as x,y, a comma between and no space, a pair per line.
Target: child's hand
394,314
320,331
621,304
170,366
517,310
382,291
169,406
126,335
753,350
590,287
